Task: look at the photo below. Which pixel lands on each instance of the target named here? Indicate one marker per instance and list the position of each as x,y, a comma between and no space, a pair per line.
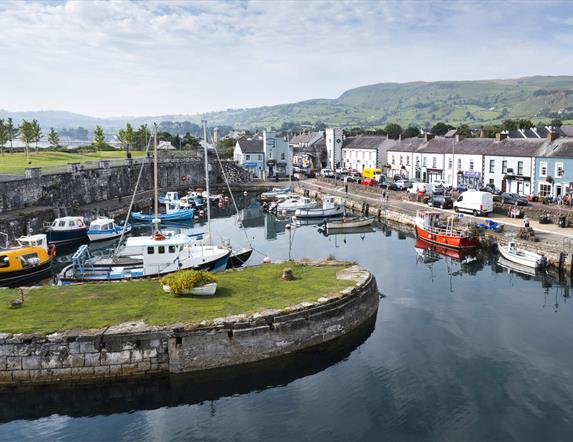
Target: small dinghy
349,223
523,257
329,209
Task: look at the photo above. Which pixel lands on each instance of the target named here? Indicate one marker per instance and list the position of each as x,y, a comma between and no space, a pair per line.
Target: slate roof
566,130
364,142
451,133
307,138
250,146
515,148
561,147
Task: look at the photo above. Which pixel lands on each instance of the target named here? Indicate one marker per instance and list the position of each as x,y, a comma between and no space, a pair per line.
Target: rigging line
243,228
132,197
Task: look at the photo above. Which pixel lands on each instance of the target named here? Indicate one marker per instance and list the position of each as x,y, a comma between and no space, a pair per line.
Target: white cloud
126,57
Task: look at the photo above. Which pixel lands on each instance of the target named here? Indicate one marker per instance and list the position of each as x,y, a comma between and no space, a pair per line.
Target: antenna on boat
156,219
207,178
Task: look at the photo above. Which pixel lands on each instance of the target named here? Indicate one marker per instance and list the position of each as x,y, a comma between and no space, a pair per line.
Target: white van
478,203
416,187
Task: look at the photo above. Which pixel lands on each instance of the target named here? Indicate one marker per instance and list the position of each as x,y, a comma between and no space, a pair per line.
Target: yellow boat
31,258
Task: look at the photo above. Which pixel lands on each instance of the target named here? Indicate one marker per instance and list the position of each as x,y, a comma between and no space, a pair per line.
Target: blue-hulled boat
106,228
174,212
67,230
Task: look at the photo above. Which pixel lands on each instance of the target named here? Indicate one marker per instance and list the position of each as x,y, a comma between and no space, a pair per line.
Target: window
459,164
471,164
62,224
417,162
492,181
491,166
407,160
520,167
424,161
260,158
559,170
161,249
171,249
29,260
401,160
393,160
282,156
72,223
150,250
545,189
543,168
450,163
248,157
4,261
504,166
434,162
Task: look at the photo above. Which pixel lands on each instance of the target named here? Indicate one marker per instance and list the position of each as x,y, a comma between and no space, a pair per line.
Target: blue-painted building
265,155
554,168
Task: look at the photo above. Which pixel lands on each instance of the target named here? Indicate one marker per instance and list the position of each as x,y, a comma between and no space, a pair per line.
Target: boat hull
533,261
319,213
102,235
444,240
14,278
67,236
353,224
237,259
177,216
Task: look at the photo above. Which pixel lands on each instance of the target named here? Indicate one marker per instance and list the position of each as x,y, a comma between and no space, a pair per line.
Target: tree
556,123
490,131
393,130
464,130
27,135
411,132
53,138
99,138
441,129
37,130
129,137
12,133
4,136
142,136
226,147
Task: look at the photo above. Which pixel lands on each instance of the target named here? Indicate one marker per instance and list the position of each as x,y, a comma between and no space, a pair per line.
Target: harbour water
460,350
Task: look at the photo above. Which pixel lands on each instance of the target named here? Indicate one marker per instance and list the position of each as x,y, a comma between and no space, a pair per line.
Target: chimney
482,133
400,137
459,138
428,137
500,136
552,136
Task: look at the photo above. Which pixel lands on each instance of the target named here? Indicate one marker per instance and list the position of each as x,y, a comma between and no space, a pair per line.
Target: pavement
544,232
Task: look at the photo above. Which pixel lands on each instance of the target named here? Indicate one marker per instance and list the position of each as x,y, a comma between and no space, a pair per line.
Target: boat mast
156,219
207,179
289,165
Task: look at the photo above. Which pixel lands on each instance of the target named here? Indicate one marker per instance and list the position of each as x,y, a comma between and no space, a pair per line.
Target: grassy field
15,163
51,309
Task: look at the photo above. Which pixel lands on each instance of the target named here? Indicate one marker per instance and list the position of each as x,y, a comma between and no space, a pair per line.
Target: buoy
220,205
267,260
245,193
201,213
226,198
287,227
196,217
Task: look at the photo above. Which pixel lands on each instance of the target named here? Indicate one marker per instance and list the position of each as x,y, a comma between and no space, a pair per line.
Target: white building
334,140
249,153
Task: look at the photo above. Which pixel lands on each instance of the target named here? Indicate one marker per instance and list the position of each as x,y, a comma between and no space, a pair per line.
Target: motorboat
30,258
66,230
349,223
239,257
292,203
523,257
329,209
275,194
431,227
105,228
161,256
173,212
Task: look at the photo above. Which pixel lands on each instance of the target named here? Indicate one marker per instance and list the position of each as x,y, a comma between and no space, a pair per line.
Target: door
503,186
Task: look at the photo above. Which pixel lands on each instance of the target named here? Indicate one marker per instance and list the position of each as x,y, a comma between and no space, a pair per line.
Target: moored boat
432,228
329,209
31,258
292,203
349,223
174,212
66,230
523,257
106,228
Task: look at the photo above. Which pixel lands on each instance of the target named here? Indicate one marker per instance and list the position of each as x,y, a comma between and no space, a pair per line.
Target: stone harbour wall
135,349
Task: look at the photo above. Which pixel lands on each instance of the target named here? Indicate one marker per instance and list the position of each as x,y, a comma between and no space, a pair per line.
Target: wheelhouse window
171,249
4,261
543,168
29,260
150,250
161,249
72,223
62,224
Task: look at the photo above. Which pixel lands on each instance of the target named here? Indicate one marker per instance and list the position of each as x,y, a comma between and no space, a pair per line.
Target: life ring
80,223
53,250
183,178
158,236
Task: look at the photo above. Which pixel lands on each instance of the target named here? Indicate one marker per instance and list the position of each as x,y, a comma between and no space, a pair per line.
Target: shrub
184,280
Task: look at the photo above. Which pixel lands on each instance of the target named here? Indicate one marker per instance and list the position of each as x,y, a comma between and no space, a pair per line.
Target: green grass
52,309
15,163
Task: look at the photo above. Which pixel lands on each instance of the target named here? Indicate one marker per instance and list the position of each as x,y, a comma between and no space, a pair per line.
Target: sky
136,58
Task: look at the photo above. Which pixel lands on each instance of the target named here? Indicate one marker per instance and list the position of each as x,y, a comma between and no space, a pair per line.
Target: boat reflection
170,391
428,252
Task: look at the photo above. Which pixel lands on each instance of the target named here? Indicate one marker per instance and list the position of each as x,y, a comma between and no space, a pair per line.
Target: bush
184,280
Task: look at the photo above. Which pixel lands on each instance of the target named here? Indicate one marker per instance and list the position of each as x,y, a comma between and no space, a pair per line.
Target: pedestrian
526,222
346,184
383,195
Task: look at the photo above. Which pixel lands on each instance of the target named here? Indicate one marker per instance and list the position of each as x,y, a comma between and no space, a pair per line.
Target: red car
369,182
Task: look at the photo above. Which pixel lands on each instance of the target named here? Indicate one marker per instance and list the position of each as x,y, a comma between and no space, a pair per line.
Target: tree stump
287,275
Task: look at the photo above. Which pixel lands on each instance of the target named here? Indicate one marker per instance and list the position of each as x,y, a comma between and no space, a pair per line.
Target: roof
566,130
307,138
451,133
250,146
560,148
515,148
364,142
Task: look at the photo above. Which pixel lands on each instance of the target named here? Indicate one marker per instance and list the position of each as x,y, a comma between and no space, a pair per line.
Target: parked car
441,201
418,187
438,189
403,184
354,177
399,177
512,198
369,182
441,183
473,201
328,173
491,189
390,185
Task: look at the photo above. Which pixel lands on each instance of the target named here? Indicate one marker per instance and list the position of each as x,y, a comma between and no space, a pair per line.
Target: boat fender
53,250
183,178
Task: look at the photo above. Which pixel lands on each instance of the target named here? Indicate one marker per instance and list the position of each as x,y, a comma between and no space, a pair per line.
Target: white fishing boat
106,228
349,223
523,257
67,230
329,209
293,203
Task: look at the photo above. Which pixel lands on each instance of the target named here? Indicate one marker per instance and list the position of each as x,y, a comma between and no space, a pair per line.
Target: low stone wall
139,350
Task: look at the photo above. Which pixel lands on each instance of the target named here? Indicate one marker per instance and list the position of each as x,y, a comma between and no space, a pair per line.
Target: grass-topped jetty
109,330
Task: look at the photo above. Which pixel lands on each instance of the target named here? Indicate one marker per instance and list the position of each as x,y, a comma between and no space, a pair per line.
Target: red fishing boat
432,228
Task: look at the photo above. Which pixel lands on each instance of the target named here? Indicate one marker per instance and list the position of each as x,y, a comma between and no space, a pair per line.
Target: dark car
512,198
491,189
390,185
441,201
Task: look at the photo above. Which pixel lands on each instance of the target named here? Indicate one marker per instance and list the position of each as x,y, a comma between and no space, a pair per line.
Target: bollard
561,261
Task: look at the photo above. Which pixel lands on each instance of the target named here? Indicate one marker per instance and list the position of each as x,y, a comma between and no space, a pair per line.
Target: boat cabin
102,224
171,196
328,202
39,240
68,223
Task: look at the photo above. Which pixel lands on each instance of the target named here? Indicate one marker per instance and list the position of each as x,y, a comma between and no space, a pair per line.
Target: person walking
346,184
526,222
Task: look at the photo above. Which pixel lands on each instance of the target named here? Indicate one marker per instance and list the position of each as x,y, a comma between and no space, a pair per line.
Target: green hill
421,103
